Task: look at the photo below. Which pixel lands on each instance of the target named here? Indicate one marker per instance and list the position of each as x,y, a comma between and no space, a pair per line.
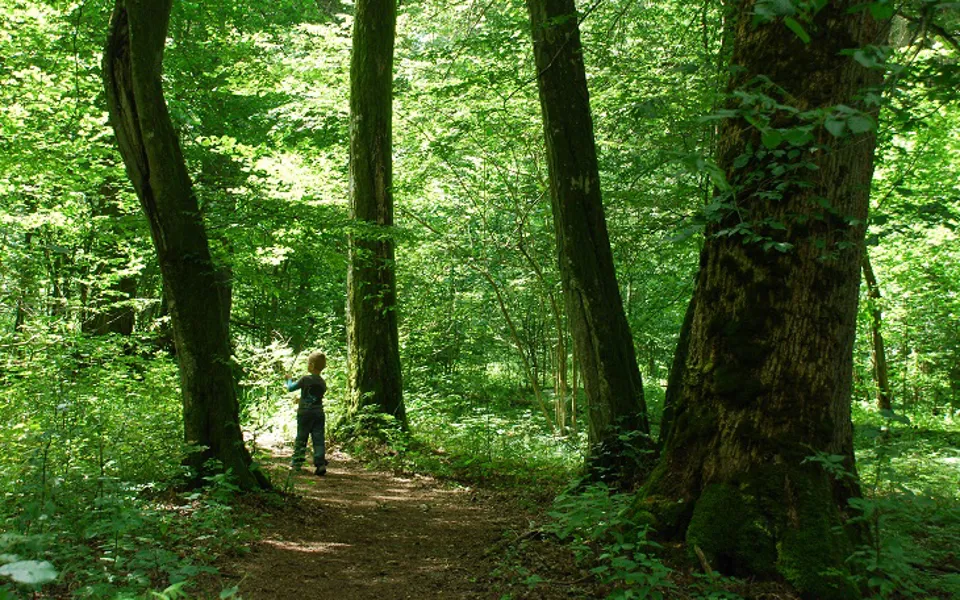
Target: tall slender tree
767,378
198,298
372,338
880,372
601,336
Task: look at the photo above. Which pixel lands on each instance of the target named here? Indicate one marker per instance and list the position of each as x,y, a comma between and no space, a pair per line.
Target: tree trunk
515,336
770,359
102,315
197,299
25,285
601,336
574,374
675,379
880,371
560,349
372,339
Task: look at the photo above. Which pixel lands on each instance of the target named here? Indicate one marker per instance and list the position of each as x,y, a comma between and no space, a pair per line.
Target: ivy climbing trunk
601,336
768,367
197,298
372,339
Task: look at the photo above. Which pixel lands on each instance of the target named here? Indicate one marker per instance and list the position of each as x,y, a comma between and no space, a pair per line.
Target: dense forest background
259,93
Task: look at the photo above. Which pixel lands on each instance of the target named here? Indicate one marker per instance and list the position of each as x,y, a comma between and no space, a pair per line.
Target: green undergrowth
131,542
92,448
909,467
909,470
486,435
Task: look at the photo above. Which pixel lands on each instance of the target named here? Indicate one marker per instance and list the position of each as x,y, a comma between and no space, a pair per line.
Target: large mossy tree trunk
768,369
602,340
198,299
372,339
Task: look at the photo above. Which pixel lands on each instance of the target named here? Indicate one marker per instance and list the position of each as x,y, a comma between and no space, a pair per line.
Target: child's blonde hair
317,361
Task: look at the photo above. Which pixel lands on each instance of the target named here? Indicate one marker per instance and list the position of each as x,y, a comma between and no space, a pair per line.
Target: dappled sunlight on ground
357,534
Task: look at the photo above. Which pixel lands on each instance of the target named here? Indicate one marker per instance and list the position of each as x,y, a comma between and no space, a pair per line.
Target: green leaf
771,138
860,124
229,592
835,126
797,28
753,121
882,11
798,136
886,413
867,60
783,247
31,572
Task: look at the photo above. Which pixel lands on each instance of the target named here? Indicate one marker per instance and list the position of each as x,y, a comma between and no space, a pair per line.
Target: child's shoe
320,472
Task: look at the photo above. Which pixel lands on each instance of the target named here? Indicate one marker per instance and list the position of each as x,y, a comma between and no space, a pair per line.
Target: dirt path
358,535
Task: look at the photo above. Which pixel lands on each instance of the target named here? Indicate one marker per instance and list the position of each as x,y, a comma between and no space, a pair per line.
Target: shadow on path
357,534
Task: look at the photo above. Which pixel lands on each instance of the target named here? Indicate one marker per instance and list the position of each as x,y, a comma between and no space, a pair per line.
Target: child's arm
292,385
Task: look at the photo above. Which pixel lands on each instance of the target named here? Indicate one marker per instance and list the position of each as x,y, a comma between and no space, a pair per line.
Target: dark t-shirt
312,389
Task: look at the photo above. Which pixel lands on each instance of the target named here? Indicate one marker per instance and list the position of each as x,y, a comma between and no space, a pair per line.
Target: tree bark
880,372
372,338
197,298
768,373
601,336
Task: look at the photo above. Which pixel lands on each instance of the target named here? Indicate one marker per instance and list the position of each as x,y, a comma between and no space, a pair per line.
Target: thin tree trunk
561,348
514,334
102,315
770,360
880,371
197,299
373,351
602,340
528,371
25,284
574,374
677,371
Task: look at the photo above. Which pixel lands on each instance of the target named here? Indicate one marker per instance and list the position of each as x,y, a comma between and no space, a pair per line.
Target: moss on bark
732,533
775,522
812,547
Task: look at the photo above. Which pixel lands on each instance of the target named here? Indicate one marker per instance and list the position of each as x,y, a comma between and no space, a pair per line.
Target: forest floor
357,534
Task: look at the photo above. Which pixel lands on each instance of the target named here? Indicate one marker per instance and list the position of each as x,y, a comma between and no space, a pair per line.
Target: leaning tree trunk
601,336
768,372
197,298
880,370
372,339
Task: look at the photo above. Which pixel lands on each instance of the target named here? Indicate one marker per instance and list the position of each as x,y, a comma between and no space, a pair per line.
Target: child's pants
310,423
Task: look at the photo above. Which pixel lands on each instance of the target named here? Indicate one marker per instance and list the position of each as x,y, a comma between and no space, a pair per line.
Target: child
310,417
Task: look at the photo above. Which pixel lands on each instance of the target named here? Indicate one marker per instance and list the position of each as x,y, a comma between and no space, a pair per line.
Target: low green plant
603,531
911,515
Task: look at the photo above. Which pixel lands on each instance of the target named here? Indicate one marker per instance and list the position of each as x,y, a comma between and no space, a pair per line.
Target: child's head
316,362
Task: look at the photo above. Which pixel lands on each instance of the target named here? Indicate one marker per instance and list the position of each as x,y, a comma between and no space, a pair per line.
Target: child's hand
287,376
